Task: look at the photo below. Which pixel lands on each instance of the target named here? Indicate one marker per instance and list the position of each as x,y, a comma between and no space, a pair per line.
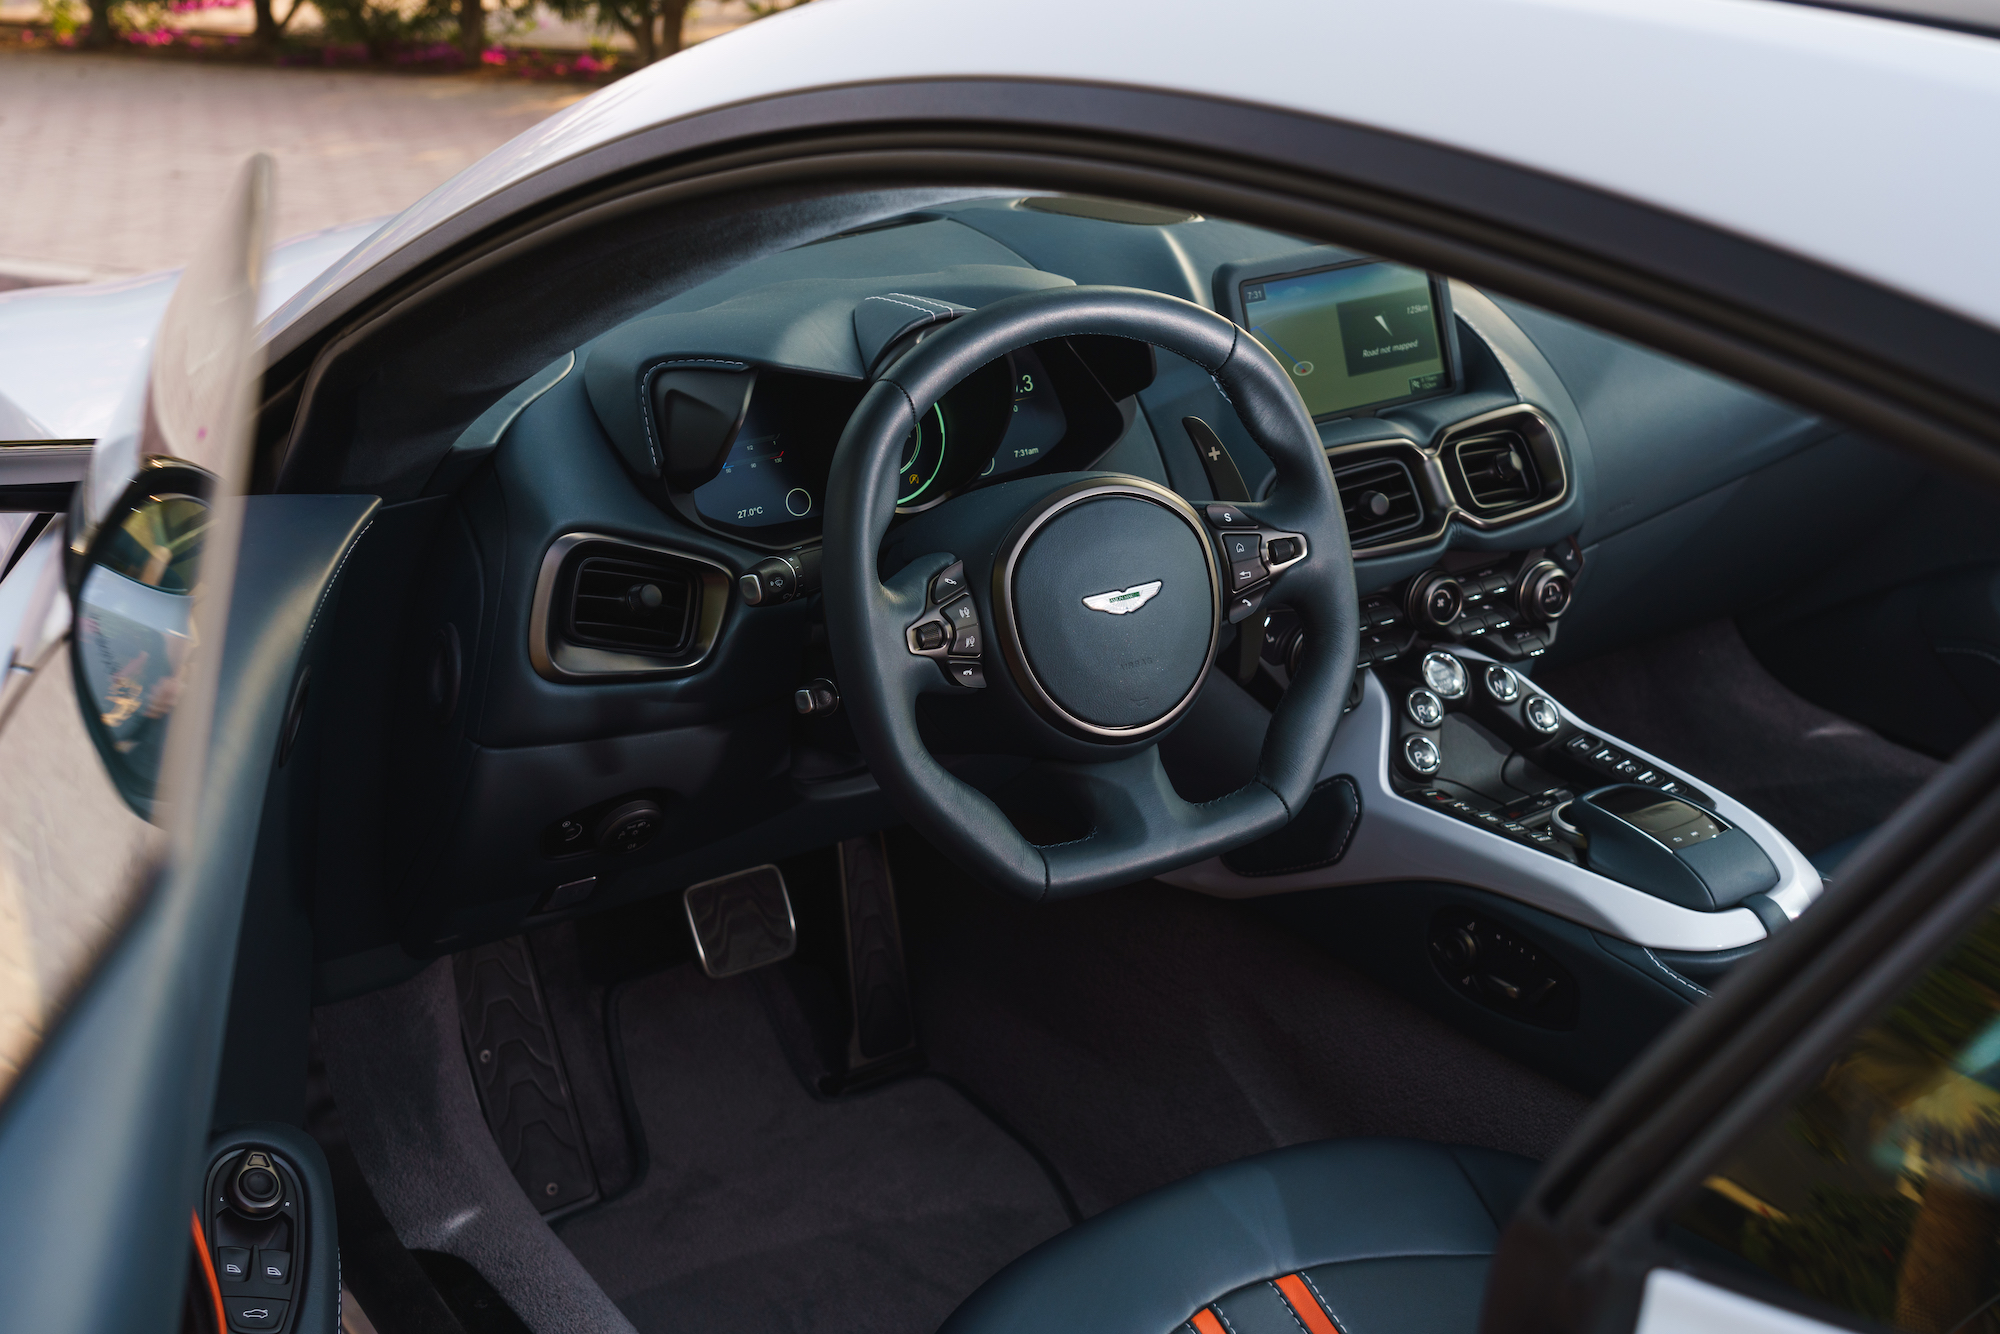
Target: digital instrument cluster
1040,406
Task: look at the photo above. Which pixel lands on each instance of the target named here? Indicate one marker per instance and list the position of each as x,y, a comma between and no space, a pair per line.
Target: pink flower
493,55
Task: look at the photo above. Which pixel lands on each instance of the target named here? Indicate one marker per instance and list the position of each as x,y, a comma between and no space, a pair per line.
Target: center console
1556,891
1465,772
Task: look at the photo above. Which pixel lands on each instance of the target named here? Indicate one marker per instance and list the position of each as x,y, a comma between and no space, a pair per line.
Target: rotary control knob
1460,947
254,1188
1435,600
629,827
1545,591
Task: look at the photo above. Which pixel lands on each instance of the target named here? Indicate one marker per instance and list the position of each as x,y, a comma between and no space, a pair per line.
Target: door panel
123,849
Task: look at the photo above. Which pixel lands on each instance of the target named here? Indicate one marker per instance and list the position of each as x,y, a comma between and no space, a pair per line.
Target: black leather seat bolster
1367,1220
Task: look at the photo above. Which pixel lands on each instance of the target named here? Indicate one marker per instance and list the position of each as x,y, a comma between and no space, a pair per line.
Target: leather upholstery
1386,1234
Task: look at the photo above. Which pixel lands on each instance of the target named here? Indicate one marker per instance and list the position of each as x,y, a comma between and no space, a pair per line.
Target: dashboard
614,679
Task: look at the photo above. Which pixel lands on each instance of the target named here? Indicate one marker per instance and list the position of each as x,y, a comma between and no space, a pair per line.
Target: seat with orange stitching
1352,1236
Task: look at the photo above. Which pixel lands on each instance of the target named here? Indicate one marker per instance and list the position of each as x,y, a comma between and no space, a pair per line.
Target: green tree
656,27
381,26
653,25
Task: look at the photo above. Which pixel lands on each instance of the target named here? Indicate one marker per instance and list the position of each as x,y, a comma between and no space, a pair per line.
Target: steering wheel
1105,596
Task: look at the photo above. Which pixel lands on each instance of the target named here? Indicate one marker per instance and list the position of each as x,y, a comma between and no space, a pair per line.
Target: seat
1354,1236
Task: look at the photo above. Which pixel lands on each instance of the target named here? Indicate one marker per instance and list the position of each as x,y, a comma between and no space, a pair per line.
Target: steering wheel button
1284,549
1243,574
1226,516
961,613
950,583
967,674
968,642
1241,546
1243,604
931,636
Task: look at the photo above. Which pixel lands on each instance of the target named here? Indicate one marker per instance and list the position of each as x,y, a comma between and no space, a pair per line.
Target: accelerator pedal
883,1041
741,921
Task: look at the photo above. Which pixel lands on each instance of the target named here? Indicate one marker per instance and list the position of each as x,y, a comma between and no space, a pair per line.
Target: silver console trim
1399,840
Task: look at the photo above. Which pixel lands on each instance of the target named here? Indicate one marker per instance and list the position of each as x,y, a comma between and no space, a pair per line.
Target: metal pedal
518,1070
741,921
884,1024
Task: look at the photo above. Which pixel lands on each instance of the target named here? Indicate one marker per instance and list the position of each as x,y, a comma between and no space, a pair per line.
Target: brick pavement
111,164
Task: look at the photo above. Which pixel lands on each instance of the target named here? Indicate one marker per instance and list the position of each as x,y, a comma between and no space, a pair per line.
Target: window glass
1878,1190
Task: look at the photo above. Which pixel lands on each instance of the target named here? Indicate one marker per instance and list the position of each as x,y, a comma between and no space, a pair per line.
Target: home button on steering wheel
1110,607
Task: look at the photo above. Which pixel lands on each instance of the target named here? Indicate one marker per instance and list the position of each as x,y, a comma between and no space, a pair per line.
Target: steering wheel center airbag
1110,608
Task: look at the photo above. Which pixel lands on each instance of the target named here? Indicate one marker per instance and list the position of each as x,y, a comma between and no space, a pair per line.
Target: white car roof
1861,142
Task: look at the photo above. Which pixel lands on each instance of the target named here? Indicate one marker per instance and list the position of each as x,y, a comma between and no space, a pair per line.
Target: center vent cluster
1380,500
1498,471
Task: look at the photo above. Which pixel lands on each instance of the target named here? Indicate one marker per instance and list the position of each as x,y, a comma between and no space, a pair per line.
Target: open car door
1818,1145
148,674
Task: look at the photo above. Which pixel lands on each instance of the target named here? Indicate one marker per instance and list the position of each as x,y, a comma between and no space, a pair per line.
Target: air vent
1380,500
635,601
1499,472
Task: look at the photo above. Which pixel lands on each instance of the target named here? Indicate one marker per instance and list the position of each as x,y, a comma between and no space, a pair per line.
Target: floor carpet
765,1208
1700,700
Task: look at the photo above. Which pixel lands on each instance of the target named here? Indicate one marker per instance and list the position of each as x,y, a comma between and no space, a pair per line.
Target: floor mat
1143,1034
767,1209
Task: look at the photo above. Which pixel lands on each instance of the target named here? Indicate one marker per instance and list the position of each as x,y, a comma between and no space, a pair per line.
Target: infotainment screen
1353,336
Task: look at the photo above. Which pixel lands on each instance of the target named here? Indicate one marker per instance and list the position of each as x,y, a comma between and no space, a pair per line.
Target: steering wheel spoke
1132,810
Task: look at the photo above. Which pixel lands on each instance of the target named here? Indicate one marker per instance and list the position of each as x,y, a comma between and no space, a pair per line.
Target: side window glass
1878,1190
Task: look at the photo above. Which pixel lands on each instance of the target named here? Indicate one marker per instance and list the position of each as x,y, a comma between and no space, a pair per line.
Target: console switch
232,1263
274,1266
253,1315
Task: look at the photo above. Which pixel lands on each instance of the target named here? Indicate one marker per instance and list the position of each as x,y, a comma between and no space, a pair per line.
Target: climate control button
1545,591
1435,600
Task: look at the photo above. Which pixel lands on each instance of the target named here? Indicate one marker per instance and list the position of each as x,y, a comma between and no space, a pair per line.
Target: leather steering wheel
1104,597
